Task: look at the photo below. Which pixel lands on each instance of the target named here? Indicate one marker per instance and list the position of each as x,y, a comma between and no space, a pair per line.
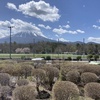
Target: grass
41,55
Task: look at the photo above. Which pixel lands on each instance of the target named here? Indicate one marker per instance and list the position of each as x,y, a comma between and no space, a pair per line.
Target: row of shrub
90,57
63,80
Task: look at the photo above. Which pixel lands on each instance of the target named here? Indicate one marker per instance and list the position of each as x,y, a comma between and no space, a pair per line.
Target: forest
53,47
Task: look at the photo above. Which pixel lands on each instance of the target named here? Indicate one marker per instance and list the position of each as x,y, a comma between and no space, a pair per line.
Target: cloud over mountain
94,39
19,26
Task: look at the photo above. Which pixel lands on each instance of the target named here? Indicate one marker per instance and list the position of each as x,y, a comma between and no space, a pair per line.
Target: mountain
24,37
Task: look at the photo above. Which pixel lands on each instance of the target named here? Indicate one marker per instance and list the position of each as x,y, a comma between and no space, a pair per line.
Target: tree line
51,47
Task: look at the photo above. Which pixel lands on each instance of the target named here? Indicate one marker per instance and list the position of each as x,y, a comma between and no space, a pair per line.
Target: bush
90,68
79,58
22,82
7,68
63,90
39,75
89,57
24,93
25,69
96,57
92,90
4,79
51,74
68,67
89,77
73,76
69,58
5,91
23,57
48,58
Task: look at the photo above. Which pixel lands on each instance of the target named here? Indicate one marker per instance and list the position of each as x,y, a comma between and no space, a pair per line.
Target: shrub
7,68
23,57
78,58
73,76
39,75
22,82
63,90
24,93
89,57
92,90
5,91
66,68
48,58
4,79
96,57
25,69
88,77
51,74
69,58
90,68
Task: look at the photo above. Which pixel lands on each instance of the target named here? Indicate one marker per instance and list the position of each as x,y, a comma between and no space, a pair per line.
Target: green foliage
96,57
89,57
48,58
78,58
69,58
23,57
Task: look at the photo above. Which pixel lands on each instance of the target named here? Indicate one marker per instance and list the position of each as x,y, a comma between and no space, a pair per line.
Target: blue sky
68,20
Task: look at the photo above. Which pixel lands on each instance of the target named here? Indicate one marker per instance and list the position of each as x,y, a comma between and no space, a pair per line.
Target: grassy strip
41,55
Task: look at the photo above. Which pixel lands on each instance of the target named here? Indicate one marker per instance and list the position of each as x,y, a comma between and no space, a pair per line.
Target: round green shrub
69,58
92,90
78,58
88,77
63,90
73,76
48,58
96,57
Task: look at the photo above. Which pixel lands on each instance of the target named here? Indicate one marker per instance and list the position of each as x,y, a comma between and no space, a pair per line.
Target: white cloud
59,31
65,29
46,27
72,32
94,39
67,26
62,31
64,26
80,31
41,10
4,24
19,26
95,26
63,40
11,6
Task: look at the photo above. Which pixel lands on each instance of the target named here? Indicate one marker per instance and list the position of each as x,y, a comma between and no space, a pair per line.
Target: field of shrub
61,80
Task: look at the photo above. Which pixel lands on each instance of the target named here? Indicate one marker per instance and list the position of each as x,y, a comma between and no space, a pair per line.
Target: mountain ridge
24,38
